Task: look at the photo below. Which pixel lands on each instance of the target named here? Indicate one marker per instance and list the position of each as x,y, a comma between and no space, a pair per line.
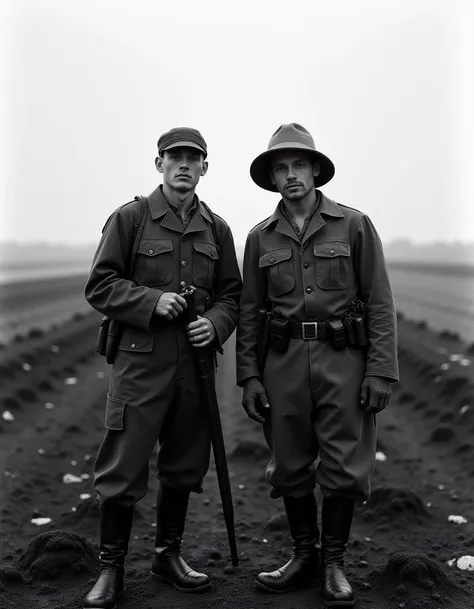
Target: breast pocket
205,257
154,262
333,259
278,265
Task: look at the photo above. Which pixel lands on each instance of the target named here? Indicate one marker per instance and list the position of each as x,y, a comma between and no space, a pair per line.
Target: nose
291,173
184,164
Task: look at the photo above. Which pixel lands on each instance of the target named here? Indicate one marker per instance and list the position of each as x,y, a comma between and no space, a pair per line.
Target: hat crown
291,133
182,136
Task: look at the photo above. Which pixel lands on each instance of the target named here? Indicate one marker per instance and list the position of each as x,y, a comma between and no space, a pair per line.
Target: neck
301,207
182,201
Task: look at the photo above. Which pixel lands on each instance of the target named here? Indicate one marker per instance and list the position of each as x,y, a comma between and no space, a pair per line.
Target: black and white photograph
237,304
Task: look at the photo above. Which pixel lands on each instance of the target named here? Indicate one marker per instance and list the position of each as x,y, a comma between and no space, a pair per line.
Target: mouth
293,185
182,175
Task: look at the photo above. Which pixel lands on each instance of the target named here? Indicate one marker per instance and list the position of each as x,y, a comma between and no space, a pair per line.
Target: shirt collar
326,206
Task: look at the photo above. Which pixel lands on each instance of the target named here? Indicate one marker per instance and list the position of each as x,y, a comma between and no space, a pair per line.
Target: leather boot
305,564
115,527
171,510
337,516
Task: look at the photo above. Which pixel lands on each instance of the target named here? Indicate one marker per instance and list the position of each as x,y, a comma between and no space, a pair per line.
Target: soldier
321,384
154,391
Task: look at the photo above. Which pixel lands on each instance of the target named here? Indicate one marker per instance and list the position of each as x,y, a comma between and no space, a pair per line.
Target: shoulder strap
137,230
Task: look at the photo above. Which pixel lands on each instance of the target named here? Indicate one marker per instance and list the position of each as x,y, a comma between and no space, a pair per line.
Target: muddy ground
53,386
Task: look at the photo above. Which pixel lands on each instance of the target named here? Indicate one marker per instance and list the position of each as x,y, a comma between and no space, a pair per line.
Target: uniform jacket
167,255
339,259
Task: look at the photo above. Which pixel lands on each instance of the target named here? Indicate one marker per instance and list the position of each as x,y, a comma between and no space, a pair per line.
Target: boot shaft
337,514
171,511
302,515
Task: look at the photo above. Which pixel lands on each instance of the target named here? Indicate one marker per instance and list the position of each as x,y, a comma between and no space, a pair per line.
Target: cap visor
185,145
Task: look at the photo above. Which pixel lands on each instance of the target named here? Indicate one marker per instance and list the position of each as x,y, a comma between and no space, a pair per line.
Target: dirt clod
51,554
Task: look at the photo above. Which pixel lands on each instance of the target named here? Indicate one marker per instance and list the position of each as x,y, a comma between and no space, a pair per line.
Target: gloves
375,393
253,397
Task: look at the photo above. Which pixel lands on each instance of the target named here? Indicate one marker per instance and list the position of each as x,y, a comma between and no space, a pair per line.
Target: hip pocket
333,259
114,412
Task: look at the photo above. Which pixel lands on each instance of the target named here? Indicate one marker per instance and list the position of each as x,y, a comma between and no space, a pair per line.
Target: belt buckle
310,330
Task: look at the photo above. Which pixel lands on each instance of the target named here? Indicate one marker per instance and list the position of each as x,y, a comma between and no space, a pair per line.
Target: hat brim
260,167
184,145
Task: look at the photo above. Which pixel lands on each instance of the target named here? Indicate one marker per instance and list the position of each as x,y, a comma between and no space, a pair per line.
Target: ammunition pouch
279,334
108,338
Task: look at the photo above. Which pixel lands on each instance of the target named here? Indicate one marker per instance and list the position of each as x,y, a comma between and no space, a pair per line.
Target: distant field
39,303
442,295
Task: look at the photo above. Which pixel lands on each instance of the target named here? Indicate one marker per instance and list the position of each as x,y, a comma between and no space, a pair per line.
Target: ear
205,167
316,169
159,164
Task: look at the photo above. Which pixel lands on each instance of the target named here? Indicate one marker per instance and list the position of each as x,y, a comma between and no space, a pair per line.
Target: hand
254,394
170,305
375,393
201,332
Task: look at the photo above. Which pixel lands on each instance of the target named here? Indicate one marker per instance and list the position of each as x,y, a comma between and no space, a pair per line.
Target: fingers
181,301
364,393
262,395
253,414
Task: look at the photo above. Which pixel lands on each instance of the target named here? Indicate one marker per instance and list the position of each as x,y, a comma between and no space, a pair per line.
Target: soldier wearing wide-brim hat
323,379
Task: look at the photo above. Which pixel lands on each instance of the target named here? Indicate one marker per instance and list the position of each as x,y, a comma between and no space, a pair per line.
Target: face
181,168
293,173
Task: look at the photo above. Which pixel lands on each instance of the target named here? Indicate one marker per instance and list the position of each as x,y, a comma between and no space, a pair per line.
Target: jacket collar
160,207
326,206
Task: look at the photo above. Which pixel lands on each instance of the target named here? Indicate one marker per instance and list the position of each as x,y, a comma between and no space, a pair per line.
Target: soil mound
394,504
442,434
53,553
248,449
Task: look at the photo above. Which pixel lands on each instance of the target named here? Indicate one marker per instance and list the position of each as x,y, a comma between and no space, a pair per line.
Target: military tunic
313,389
154,392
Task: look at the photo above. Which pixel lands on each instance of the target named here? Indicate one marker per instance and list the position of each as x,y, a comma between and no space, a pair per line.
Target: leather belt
309,330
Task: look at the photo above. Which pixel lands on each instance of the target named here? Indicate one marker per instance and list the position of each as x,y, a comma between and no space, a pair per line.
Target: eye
299,164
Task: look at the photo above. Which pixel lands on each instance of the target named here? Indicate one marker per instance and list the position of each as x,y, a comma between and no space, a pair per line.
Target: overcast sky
385,87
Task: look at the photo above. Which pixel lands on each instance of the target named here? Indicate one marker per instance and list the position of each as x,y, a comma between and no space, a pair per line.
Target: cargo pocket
333,259
154,262
204,260
114,412
278,265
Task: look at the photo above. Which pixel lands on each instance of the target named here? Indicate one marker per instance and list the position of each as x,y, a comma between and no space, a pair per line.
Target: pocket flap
209,249
153,247
274,257
330,249
137,341
114,413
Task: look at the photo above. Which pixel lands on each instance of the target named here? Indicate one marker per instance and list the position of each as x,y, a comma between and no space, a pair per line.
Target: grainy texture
57,428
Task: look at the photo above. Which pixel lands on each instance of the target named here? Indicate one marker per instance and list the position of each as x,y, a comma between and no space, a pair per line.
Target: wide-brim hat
290,137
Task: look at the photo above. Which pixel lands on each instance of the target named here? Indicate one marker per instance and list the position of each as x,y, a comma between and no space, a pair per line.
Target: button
306,265
272,260
133,345
309,290
150,251
332,252
184,263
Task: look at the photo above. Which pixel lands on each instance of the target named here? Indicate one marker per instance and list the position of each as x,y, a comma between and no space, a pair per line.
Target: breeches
315,411
153,396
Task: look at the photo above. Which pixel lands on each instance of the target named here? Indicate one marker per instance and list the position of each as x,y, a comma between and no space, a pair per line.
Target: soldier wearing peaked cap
154,391
329,355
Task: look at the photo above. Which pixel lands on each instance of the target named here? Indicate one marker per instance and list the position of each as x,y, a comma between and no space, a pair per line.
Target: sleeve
375,290
224,310
254,292
107,289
